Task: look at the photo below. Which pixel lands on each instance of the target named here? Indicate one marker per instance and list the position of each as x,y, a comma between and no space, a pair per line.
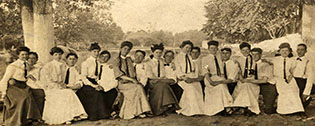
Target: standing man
301,71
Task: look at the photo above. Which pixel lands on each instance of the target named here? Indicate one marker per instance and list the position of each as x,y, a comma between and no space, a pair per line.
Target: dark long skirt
178,91
162,98
231,87
203,86
97,104
39,97
301,82
269,93
19,105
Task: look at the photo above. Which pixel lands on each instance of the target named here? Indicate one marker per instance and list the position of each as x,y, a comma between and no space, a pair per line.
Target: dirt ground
234,120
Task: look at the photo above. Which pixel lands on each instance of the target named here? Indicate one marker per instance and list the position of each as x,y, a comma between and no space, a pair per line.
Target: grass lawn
179,120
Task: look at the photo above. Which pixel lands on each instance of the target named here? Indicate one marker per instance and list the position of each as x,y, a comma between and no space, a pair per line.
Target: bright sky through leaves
168,15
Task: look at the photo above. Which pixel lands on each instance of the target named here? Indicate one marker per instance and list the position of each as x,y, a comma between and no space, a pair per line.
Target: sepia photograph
157,62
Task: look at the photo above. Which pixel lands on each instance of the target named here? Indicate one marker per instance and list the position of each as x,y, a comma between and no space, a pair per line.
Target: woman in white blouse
217,96
135,102
161,96
140,66
187,71
170,73
91,94
34,81
109,84
19,104
62,104
283,66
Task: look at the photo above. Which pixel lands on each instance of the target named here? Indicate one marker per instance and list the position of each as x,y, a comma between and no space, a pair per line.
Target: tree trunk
27,23
43,29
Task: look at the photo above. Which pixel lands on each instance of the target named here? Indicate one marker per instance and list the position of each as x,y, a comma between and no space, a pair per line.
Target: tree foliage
76,23
10,25
252,20
80,22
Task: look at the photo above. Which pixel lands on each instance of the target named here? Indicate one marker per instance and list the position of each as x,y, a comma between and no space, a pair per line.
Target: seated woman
289,101
34,81
107,80
191,101
91,94
62,105
161,96
19,104
170,73
140,67
217,96
135,102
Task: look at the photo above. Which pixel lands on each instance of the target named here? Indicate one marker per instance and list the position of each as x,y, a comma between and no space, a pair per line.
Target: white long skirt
135,102
217,98
288,100
61,105
191,102
247,95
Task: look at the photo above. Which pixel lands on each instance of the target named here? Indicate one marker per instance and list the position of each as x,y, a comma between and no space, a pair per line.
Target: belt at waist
300,78
18,83
266,84
92,80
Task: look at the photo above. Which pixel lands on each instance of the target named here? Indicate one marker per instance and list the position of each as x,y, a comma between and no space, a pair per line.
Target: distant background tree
139,38
252,20
146,38
196,36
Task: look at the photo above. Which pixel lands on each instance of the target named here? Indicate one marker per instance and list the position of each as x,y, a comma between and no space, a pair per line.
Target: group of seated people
60,92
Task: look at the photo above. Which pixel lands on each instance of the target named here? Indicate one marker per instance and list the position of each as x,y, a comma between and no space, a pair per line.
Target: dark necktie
224,70
256,72
159,68
217,66
127,68
96,68
101,71
284,71
187,63
67,76
299,59
251,62
246,68
25,70
135,67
